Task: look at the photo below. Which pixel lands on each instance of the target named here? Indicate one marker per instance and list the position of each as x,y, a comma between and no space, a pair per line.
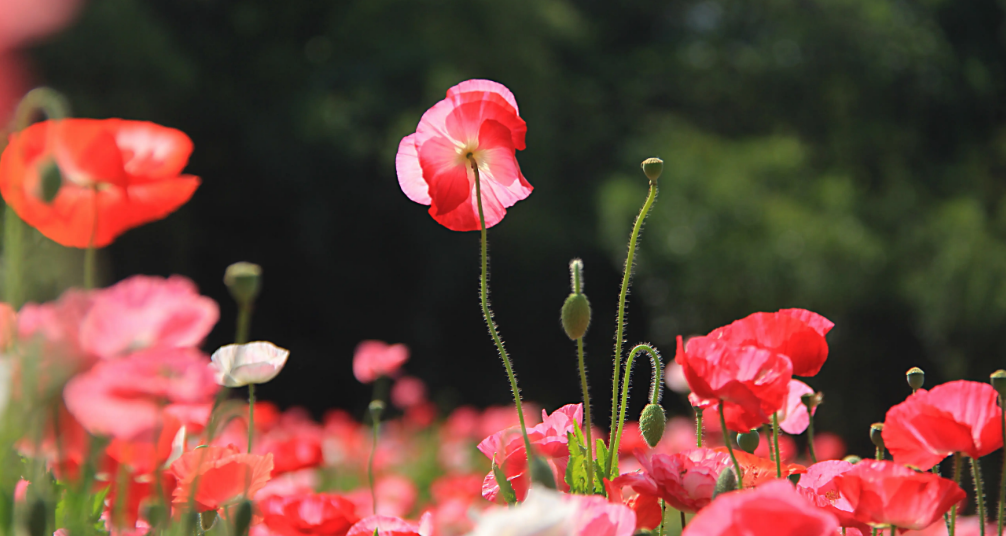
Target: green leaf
602,461
98,503
576,469
506,489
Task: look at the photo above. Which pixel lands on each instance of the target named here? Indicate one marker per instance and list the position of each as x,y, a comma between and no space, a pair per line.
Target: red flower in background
222,475
960,416
478,119
311,514
374,359
117,175
796,333
883,493
774,509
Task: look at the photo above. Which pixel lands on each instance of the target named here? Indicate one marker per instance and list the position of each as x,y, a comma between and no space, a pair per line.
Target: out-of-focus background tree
846,156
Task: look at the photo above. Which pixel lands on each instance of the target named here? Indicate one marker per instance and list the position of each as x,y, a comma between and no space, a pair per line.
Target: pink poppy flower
147,312
773,509
960,416
883,493
392,526
793,417
685,480
818,484
407,392
124,398
308,514
396,495
479,120
374,359
218,476
796,333
595,516
56,325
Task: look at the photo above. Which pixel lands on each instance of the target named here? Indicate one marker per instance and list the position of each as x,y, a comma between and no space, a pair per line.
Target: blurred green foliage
846,156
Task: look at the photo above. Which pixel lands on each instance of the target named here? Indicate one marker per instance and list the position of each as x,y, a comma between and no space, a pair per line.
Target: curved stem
488,315
620,321
775,443
655,391
976,476
730,448
251,415
586,411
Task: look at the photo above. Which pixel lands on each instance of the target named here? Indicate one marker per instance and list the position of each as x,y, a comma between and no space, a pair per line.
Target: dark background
848,157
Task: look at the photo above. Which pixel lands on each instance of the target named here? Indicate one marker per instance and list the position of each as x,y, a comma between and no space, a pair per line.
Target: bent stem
730,449
775,443
655,391
620,321
586,413
488,315
976,476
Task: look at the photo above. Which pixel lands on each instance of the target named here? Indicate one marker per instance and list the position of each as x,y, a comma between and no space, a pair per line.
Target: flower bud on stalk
576,309
748,442
653,167
243,280
726,482
651,423
916,378
877,436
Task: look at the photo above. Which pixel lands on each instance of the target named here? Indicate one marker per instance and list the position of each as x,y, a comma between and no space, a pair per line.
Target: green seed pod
852,458
876,434
243,280
207,519
576,316
651,424
794,478
52,181
653,167
748,442
726,482
998,379
916,378
37,517
243,518
541,472
812,400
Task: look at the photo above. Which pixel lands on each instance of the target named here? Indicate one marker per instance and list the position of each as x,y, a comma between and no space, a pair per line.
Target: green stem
656,380
244,323
89,267
976,476
586,413
775,443
1002,479
698,426
957,480
488,315
13,249
683,522
880,455
620,321
375,417
663,518
730,449
810,436
251,415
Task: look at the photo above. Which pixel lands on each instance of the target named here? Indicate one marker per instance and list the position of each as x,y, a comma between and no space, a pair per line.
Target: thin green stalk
880,455
655,391
488,315
873,531
1002,479
244,323
775,443
976,476
730,449
810,437
90,254
698,426
620,321
683,522
13,250
586,413
663,518
376,427
251,415
957,480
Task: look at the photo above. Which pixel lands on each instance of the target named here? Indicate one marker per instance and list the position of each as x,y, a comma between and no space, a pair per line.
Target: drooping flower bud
651,424
51,181
916,378
876,434
998,379
576,309
726,482
243,280
748,442
653,167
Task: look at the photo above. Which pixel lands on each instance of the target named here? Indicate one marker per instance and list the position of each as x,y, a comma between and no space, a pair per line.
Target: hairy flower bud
576,316
651,424
243,280
653,167
727,481
748,442
916,378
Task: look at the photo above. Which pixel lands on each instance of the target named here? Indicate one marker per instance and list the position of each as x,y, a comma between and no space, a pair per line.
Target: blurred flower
966,526
392,526
124,398
454,496
116,175
886,493
959,416
309,514
407,392
675,379
787,446
396,495
548,513
237,365
478,119
795,333
758,470
793,417
223,475
23,21
645,506
374,359
774,509
829,446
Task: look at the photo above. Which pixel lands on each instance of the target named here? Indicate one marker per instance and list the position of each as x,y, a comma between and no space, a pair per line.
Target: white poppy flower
236,365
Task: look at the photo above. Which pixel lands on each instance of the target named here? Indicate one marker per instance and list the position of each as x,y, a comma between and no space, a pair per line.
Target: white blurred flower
543,513
236,365
6,376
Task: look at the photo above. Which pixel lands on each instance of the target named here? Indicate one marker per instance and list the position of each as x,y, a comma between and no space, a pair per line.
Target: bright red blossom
796,333
478,120
222,474
960,416
883,493
774,509
310,514
685,480
116,174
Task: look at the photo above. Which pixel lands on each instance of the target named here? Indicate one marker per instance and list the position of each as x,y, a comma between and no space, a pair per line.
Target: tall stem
586,413
775,443
698,426
620,321
957,480
655,389
376,408
90,257
13,251
488,315
730,449
244,323
663,518
251,415
976,476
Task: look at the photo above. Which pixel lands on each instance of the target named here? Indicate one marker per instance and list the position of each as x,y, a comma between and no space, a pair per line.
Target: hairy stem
976,476
655,391
775,443
586,413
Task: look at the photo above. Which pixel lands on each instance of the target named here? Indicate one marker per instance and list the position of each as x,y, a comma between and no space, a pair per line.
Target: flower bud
748,442
852,458
726,482
243,518
244,280
207,519
651,424
876,434
576,316
653,167
541,473
51,181
812,400
998,379
376,407
916,378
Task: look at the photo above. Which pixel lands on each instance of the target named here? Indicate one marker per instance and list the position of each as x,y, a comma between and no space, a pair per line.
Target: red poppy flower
774,509
883,493
796,333
959,416
478,119
312,514
752,382
758,470
116,174
223,475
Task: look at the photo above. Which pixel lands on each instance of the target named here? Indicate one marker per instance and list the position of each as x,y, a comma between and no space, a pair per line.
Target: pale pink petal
152,151
487,86
410,173
793,417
